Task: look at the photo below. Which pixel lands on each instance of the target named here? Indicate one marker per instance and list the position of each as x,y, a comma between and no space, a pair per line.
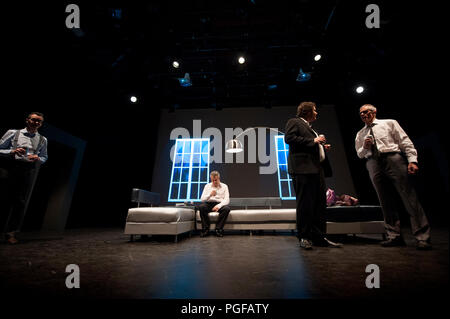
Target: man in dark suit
308,166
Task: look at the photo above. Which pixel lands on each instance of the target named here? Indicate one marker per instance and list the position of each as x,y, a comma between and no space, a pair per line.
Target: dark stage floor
260,266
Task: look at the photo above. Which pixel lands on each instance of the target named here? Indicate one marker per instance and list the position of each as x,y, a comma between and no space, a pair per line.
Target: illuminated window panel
285,186
190,169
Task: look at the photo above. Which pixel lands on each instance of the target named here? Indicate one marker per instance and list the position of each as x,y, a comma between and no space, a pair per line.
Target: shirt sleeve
359,146
206,193
6,142
404,142
43,156
226,199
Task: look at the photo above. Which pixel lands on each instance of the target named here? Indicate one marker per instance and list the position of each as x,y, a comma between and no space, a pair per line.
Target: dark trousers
205,208
15,184
310,193
390,173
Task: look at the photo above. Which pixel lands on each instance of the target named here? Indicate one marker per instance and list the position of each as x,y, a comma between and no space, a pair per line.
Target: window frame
190,166
285,152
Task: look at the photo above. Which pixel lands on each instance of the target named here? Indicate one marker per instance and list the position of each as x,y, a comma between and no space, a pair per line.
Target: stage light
241,60
317,57
359,89
116,13
186,81
302,76
133,99
176,64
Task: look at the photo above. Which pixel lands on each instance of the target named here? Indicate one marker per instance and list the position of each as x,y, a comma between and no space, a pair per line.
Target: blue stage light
186,81
302,76
116,13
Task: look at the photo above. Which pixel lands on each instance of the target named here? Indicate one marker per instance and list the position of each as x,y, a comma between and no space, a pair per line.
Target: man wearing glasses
385,145
20,151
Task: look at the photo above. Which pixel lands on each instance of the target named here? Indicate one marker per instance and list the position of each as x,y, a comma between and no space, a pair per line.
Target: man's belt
383,155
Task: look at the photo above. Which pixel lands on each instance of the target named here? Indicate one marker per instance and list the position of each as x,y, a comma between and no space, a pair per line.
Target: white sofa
261,216
361,219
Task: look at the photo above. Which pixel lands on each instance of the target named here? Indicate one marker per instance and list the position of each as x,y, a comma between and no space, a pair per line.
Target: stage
238,266
127,93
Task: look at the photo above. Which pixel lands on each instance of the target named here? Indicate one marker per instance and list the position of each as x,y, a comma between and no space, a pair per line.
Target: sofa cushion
159,214
340,214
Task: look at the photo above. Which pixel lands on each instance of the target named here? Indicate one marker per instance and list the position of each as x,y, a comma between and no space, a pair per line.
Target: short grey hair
370,107
214,173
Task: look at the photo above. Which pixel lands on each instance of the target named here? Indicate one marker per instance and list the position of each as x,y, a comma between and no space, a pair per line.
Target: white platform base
174,228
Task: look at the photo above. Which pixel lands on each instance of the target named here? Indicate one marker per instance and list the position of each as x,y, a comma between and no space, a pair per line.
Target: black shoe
11,238
305,244
394,242
219,232
204,233
325,242
423,245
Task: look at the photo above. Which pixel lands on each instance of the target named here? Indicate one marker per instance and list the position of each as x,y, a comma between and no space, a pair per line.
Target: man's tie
375,151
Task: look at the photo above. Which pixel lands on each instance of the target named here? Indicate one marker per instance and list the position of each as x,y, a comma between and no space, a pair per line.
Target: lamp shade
233,146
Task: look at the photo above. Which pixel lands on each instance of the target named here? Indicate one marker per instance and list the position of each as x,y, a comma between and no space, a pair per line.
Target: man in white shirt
215,198
382,143
20,151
